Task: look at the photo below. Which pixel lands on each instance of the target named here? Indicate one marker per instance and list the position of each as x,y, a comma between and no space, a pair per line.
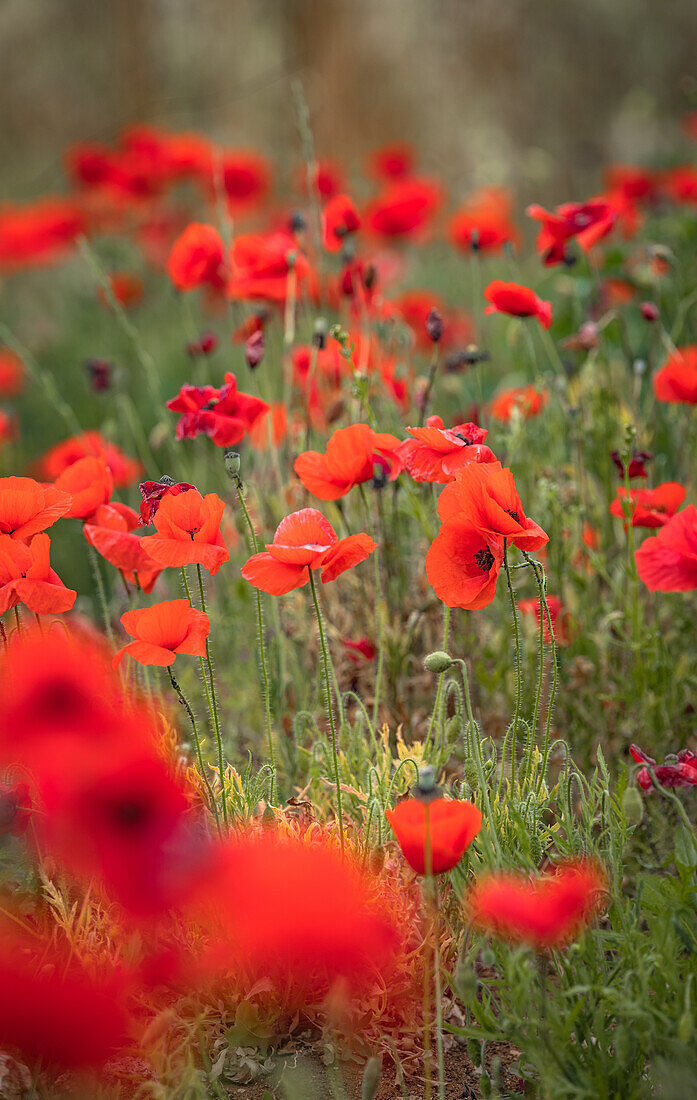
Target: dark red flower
649,507
224,414
246,177
339,220
152,493
675,771
254,350
637,463
205,345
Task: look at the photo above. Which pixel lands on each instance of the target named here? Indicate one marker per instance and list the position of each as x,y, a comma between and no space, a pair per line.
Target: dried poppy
405,209
89,482
26,577
677,771
152,493
15,809
26,507
111,530
11,373
546,912
667,562
124,470
517,301
484,223
197,258
162,631
304,540
525,401
225,415
436,453
339,220
434,832
188,531
649,507
676,381
350,459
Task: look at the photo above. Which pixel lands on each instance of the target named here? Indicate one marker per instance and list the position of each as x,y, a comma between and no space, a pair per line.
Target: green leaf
685,847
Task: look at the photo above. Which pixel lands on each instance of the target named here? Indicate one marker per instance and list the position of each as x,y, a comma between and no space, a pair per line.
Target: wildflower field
348,551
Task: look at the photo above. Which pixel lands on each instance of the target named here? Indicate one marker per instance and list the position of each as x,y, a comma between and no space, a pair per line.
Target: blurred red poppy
436,453
26,507
405,209
124,470
587,222
667,562
350,459
526,401
304,540
546,912
261,265
225,415
162,631
38,233
676,381
517,301
556,613
360,649
435,833
89,482
392,162
11,373
650,507
484,223
339,220
197,257
127,288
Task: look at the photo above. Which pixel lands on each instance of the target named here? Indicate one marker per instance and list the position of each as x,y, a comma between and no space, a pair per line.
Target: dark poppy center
514,515
130,813
484,559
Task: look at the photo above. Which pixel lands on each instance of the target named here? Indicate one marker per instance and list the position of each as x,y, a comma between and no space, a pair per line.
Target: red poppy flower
517,301
38,233
527,401
26,507
8,427
26,577
339,219
328,179
246,177
15,809
224,414
676,381
197,257
462,565
404,209
485,494
360,648
127,289
330,364
678,771
11,373
57,1015
111,530
350,459
587,222
546,912
436,453
445,827
152,493
556,613
337,926
255,322
271,429
162,631
680,184
637,463
188,531
304,540
260,267
484,223
90,483
650,507
124,470
205,345
393,161
667,562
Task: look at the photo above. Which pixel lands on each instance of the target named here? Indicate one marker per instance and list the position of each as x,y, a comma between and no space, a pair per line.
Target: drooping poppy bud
99,372
254,349
434,325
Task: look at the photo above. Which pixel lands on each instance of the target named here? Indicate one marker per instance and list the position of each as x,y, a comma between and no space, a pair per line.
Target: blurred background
533,93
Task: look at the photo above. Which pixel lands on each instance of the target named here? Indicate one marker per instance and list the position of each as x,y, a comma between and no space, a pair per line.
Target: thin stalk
197,743
265,689
439,689
213,712
101,591
428,868
541,587
433,368
519,676
438,990
378,609
330,708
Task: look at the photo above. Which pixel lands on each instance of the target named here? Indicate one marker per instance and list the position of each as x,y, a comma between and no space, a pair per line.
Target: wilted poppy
436,453
676,381
649,507
26,507
197,258
351,458
484,223
152,493
637,463
89,482
677,771
26,577
525,401
667,562
188,531
304,540
225,415
162,631
111,530
546,912
435,833
517,301
340,219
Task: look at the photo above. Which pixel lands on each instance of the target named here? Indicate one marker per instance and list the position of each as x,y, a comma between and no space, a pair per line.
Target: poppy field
348,557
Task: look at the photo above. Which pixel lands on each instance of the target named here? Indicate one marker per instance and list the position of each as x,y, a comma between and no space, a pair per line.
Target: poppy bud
474,1052
438,662
434,325
376,861
99,372
488,957
452,729
232,464
371,1078
319,335
291,257
370,276
298,222
649,311
426,789
632,807
254,349
471,773
205,345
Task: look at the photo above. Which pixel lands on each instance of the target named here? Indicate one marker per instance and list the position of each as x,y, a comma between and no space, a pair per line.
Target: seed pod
376,861
438,661
686,1027
632,806
371,1078
471,773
